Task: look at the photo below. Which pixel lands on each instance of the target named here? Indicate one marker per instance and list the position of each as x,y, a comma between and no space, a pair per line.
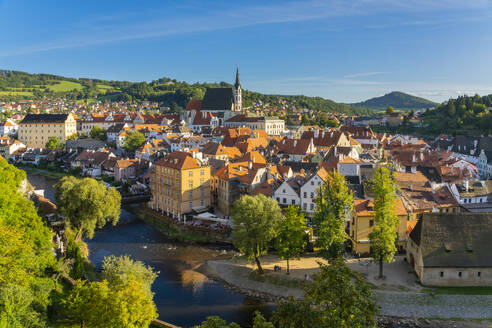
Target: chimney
466,185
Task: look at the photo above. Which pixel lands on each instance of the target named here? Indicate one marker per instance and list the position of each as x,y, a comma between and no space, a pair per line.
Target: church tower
238,101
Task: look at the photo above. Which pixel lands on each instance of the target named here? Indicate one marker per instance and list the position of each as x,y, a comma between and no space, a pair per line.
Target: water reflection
183,295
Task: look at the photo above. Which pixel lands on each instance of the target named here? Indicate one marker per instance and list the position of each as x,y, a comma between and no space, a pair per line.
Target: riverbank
43,172
176,231
400,307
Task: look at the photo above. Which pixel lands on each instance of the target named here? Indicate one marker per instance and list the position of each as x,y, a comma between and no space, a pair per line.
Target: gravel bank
400,304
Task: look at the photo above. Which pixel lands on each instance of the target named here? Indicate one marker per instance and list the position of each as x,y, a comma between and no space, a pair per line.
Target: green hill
398,100
15,85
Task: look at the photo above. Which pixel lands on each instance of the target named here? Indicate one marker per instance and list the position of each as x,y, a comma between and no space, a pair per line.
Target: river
183,296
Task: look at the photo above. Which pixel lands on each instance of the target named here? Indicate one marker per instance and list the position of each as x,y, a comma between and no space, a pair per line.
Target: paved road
424,305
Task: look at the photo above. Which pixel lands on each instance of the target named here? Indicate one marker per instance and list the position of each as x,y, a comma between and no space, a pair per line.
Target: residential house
362,221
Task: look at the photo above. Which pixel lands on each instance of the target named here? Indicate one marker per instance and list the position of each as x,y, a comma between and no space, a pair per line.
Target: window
201,181
278,199
312,183
191,173
283,191
312,195
202,202
305,194
371,223
459,274
441,274
312,206
191,194
191,184
479,274
305,206
191,205
293,202
202,172
284,201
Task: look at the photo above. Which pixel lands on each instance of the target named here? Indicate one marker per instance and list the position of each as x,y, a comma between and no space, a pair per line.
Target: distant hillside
398,100
15,85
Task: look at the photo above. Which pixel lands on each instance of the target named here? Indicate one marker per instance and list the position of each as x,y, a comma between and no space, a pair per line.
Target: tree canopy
133,141
333,203
54,143
384,235
291,239
87,204
256,221
337,297
25,255
98,133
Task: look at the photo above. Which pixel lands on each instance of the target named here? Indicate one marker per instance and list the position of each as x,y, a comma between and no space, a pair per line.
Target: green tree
102,305
217,322
337,297
133,141
333,203
290,241
390,110
451,108
255,225
384,235
25,255
98,133
87,204
54,143
122,269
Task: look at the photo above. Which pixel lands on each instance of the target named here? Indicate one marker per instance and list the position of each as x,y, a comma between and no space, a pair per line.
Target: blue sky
340,49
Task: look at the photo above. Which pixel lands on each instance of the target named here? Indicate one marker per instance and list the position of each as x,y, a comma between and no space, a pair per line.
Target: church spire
237,84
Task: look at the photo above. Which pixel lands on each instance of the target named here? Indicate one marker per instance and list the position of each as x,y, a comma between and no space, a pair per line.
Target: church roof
217,99
237,84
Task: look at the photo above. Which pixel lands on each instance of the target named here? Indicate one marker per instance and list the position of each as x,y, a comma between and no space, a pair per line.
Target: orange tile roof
179,160
364,207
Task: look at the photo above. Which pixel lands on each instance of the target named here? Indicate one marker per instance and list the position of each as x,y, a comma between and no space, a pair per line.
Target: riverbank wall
177,230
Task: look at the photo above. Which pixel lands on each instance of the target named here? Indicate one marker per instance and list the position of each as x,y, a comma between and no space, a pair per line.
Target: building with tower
222,103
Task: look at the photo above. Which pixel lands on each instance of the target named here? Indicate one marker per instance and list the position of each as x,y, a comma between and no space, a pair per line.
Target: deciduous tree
133,141
384,235
337,297
256,221
290,241
333,202
87,204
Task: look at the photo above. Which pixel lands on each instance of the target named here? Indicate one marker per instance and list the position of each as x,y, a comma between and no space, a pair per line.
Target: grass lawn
64,86
485,290
104,87
15,93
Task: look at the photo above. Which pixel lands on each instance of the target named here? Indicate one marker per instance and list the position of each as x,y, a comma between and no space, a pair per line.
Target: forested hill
15,85
398,100
466,115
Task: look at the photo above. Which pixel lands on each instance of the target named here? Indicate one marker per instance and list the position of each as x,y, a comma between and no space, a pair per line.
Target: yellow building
180,185
362,224
36,129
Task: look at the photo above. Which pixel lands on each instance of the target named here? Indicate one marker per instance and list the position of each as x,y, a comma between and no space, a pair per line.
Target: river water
183,296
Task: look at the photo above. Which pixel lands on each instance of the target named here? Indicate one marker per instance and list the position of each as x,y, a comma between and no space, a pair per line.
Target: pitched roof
365,207
179,160
194,105
45,118
454,240
217,99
